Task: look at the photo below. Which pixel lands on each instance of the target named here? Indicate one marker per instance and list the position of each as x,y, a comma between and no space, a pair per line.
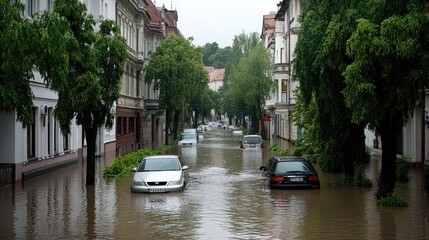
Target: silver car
161,173
251,142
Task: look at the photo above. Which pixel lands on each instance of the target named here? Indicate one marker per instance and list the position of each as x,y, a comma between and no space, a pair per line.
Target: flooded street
225,200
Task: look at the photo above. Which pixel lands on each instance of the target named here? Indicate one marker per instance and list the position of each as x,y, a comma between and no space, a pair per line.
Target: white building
282,40
41,145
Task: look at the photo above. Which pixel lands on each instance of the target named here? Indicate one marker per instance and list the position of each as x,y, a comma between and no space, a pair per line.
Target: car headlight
178,182
138,183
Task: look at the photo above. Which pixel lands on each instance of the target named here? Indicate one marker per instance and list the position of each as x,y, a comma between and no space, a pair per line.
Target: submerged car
290,172
251,142
161,173
188,139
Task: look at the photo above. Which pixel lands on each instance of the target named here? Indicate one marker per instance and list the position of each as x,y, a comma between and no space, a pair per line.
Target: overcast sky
219,20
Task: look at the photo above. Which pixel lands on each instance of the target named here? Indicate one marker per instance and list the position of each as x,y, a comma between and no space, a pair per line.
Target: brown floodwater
225,200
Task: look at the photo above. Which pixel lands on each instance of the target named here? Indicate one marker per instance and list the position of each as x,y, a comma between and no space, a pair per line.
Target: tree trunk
387,179
167,125
91,138
355,150
176,124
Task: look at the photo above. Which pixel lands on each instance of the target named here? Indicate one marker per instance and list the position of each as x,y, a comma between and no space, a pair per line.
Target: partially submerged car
290,172
188,139
251,142
161,173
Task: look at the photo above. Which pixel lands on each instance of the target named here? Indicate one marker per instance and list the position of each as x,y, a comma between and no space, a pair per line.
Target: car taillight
313,178
276,179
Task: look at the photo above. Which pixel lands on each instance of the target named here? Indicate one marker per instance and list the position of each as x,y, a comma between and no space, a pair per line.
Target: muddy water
225,200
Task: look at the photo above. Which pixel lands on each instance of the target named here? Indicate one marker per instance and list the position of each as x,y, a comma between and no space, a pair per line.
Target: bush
123,164
402,167
392,200
277,150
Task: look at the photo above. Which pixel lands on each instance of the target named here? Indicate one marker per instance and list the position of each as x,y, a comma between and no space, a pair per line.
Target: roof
215,74
156,21
268,21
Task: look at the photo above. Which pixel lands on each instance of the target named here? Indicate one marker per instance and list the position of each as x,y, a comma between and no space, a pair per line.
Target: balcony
151,104
282,68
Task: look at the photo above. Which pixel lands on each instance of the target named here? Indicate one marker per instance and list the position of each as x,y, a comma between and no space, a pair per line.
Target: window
124,125
131,124
50,5
31,136
49,126
284,86
119,125
66,144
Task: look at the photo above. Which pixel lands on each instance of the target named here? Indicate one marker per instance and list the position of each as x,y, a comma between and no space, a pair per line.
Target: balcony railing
151,104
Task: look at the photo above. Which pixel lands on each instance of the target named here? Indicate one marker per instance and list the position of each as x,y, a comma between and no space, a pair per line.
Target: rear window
252,140
285,167
188,136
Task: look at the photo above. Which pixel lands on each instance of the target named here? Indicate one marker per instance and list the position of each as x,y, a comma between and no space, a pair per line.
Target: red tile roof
215,74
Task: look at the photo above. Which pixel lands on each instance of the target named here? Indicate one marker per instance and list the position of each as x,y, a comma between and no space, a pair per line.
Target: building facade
280,34
144,26
412,139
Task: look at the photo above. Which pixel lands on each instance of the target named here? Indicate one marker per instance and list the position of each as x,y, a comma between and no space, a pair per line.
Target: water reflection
224,200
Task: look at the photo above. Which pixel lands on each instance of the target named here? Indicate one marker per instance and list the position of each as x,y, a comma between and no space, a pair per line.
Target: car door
266,171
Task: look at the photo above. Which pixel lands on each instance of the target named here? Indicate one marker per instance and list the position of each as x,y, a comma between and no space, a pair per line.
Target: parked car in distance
190,130
251,142
290,172
161,173
188,139
237,133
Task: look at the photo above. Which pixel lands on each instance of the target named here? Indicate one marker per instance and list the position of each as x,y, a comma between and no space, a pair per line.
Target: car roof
290,159
254,135
161,156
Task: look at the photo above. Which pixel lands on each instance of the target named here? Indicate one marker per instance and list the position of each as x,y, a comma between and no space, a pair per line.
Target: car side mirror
134,169
185,167
263,168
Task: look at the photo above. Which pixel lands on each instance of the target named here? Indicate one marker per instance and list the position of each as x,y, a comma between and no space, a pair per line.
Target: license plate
296,179
156,190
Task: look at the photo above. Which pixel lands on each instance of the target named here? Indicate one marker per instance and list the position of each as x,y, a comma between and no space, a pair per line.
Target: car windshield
252,140
159,164
285,167
188,136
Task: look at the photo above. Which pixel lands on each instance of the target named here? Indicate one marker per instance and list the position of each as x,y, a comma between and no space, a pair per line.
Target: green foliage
392,200
360,179
277,150
16,61
123,164
402,167
176,70
209,50
253,73
320,61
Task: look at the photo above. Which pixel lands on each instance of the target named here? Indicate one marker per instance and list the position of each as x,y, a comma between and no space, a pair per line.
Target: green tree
320,61
25,44
209,49
251,84
390,65
96,62
231,105
177,71
220,58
